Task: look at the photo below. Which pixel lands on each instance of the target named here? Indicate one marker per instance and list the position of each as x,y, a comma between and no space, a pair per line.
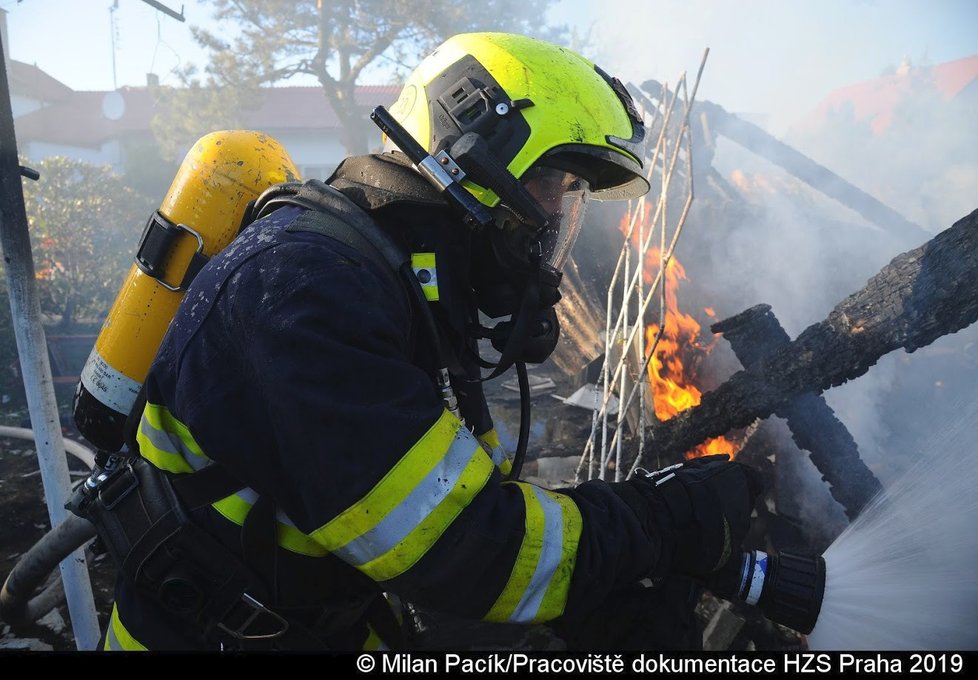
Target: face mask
521,272
514,251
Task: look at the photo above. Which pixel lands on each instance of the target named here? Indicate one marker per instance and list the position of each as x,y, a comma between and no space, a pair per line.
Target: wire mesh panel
636,297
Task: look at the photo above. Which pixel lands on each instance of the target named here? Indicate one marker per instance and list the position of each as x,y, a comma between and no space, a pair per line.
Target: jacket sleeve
371,466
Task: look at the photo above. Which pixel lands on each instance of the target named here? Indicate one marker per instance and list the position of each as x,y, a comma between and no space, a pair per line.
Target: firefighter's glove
702,510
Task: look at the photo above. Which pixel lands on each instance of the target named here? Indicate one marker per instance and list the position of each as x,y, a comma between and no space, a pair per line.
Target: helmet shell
575,117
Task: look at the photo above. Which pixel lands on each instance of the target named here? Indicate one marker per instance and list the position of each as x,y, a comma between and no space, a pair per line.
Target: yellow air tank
200,215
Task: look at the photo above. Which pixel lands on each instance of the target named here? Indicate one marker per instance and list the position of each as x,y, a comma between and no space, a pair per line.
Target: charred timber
918,297
756,333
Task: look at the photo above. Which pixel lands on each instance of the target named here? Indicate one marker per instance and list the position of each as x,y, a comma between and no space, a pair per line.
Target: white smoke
780,241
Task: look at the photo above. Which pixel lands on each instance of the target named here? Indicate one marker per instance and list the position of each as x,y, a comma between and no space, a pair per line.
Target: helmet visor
563,197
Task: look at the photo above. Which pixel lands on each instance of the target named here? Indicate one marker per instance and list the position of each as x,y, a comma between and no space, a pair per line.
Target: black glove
700,508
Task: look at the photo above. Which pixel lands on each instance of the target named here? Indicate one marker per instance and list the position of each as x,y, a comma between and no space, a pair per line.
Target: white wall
108,154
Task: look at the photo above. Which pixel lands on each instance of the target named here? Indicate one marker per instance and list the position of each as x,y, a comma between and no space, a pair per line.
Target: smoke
768,56
757,234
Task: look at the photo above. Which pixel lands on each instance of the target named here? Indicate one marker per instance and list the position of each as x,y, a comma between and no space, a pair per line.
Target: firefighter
302,375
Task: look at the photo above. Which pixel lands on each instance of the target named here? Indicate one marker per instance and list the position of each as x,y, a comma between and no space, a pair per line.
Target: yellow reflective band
235,508
157,430
538,585
425,269
373,642
405,554
490,440
390,491
555,599
117,638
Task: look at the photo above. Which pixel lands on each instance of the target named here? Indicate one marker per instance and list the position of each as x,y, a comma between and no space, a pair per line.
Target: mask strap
522,325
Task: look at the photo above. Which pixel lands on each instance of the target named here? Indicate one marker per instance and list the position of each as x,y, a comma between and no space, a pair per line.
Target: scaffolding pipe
25,312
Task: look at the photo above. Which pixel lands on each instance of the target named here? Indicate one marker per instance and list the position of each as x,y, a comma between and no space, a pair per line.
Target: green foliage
11,389
258,42
146,171
84,225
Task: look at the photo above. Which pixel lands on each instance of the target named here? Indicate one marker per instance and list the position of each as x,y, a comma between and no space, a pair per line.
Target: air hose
524,436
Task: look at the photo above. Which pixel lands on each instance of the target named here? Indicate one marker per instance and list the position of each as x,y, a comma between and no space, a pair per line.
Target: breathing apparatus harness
525,336
143,514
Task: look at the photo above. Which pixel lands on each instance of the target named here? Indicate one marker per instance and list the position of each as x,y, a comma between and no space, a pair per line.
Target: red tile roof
30,81
876,100
78,118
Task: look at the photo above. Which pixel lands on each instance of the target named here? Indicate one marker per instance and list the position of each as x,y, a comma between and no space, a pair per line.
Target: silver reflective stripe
550,556
169,442
250,496
111,641
757,579
498,456
413,510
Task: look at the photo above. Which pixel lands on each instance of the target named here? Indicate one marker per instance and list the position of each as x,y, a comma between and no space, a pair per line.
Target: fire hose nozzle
787,587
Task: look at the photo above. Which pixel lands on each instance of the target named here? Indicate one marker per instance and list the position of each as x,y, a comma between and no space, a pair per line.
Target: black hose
524,437
34,566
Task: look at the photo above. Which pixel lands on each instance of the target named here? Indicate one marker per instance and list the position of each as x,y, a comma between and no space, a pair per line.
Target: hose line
34,566
17,607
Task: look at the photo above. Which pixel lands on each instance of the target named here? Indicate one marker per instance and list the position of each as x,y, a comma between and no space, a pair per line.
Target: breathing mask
518,270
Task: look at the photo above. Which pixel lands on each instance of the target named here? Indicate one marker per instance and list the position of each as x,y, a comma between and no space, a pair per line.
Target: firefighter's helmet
535,103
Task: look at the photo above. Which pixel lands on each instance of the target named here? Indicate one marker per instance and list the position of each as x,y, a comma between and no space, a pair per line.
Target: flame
678,354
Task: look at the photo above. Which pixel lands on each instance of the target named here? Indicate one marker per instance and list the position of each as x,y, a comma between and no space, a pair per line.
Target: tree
84,226
337,42
198,107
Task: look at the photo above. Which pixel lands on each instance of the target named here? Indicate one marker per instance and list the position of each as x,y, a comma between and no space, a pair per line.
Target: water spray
786,586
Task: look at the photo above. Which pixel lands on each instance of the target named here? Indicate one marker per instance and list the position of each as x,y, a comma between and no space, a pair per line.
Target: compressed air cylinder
200,215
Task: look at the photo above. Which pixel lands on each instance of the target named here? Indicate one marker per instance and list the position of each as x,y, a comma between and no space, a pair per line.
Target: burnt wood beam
754,334
820,178
918,297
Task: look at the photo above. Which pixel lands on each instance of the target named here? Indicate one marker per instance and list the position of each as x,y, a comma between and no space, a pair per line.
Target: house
110,127
104,127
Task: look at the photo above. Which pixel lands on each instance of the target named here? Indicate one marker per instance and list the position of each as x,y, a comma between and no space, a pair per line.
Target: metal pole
32,350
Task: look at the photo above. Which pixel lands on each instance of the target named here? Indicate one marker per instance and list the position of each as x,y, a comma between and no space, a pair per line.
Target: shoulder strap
332,214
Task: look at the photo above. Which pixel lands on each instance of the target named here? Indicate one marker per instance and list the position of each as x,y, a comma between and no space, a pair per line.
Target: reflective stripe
117,638
396,523
426,269
373,642
538,585
167,443
500,458
236,507
395,527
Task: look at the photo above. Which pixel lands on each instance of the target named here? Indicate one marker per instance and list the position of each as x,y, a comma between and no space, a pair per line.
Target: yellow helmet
534,103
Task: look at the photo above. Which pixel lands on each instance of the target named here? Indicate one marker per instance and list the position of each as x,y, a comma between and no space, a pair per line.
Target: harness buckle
250,612
156,246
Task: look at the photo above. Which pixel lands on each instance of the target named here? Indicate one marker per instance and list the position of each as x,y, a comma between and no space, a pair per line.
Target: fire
678,354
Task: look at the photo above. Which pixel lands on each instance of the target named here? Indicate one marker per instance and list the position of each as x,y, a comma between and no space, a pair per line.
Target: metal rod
25,312
166,10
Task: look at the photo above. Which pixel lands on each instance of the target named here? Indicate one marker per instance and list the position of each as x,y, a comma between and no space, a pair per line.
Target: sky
776,58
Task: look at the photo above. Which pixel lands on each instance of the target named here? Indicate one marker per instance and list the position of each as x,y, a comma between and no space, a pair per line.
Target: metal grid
651,225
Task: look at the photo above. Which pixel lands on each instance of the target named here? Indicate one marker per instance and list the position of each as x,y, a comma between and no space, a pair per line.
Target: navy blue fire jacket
290,362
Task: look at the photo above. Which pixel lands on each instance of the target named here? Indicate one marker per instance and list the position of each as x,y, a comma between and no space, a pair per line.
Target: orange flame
678,354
